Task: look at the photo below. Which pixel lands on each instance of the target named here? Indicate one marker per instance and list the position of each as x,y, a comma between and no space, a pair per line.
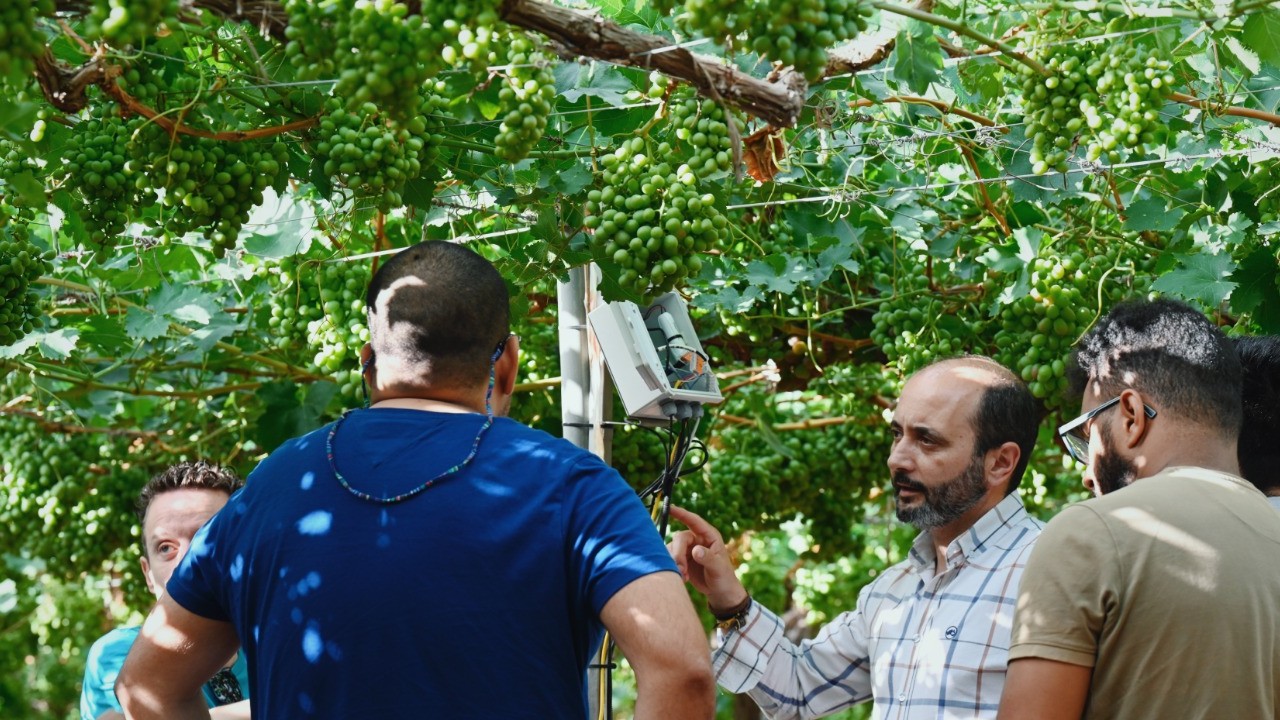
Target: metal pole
574,372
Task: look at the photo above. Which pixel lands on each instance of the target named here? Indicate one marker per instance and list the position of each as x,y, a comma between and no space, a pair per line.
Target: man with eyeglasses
1161,598
426,556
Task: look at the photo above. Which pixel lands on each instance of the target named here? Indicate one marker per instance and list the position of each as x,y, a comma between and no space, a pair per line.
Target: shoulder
112,647
536,446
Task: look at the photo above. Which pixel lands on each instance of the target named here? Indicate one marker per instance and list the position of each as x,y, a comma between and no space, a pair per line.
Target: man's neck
427,404
942,537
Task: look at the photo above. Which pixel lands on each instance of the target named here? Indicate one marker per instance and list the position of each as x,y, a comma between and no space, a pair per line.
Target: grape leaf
917,58
575,80
142,325
1262,35
184,303
1151,214
1201,277
104,333
1257,278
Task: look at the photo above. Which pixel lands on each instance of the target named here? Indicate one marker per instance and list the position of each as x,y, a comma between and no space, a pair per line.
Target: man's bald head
1006,411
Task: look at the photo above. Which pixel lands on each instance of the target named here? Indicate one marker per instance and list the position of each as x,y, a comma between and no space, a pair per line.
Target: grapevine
98,165
914,327
19,40
524,101
795,34
318,314
208,185
1096,96
126,22
650,219
20,265
373,156
1037,331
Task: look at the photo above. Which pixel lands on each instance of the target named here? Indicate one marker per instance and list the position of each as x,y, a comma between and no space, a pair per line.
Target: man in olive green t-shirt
1160,599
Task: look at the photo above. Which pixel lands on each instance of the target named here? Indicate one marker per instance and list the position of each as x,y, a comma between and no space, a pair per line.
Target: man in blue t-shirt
171,508
427,556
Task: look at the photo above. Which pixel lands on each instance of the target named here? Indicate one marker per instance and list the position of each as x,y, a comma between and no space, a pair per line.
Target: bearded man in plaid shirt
929,638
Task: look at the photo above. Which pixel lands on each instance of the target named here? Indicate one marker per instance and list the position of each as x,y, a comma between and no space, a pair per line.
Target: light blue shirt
106,657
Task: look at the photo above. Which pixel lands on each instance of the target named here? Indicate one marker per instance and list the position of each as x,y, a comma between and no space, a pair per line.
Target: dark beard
1113,472
946,502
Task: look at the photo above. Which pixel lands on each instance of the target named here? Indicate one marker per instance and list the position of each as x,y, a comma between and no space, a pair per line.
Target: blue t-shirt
478,598
106,657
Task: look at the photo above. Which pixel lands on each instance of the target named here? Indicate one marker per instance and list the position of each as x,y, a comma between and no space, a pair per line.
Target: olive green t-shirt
1170,590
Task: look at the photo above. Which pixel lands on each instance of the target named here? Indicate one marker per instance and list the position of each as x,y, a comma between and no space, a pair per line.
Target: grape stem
960,29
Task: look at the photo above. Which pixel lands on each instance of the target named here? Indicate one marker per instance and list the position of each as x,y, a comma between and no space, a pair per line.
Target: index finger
701,528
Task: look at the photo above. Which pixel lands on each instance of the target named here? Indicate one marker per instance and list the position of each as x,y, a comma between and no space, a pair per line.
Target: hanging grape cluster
819,473
651,218
124,22
381,53
317,313
65,498
375,156
792,33
20,265
1096,96
208,185
524,100
913,326
19,41
98,165
1038,331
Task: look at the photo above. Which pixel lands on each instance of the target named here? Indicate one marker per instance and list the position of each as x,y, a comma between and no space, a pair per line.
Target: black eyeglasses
1073,436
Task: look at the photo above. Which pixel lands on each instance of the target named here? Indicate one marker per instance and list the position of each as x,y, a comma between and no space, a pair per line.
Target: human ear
1134,422
1001,463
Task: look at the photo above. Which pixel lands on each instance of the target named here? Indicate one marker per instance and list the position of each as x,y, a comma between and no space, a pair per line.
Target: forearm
139,705
689,695
788,681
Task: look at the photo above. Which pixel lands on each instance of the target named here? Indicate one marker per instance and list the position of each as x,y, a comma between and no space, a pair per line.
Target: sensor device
657,364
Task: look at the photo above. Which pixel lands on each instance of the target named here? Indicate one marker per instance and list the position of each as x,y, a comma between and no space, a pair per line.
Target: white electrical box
657,364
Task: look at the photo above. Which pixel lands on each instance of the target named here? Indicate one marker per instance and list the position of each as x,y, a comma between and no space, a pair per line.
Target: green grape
379,52
1038,330
19,41
375,157
1264,178
1098,97
98,166
20,265
66,498
127,22
317,314
653,219
524,101
208,185
913,326
791,33
816,473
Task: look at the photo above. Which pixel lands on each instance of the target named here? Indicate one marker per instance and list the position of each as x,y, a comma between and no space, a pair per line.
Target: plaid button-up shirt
922,645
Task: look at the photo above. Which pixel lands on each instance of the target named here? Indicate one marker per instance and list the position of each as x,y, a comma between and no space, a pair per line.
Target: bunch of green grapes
913,327
751,485
702,132
639,455
19,41
66,498
539,361
1097,96
374,156
14,162
20,265
792,33
208,185
378,51
524,100
1038,331
98,166
651,219
125,22
318,307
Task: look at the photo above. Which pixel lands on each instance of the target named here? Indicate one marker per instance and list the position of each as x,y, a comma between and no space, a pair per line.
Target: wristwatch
734,618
